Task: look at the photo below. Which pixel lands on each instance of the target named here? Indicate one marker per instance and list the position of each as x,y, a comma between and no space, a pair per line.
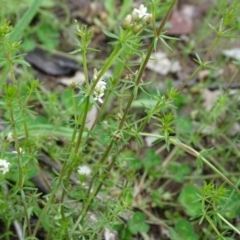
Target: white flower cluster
137,19
141,13
99,88
4,166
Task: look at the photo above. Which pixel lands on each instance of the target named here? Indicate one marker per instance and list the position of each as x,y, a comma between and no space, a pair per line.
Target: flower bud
148,18
137,28
127,22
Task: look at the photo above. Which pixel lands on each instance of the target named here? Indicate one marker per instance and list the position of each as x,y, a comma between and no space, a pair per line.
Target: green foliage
150,161
137,223
184,126
183,231
116,17
188,199
179,171
21,26
156,181
46,32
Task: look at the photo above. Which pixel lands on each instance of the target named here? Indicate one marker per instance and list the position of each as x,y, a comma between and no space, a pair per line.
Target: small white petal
4,166
99,90
140,13
20,151
100,100
84,170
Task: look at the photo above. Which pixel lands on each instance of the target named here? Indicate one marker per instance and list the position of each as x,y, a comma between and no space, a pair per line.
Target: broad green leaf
188,199
138,223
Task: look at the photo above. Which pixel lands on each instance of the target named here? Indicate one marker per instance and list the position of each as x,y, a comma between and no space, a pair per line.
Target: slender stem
213,45
44,210
70,169
74,133
83,121
179,89
166,17
214,227
26,212
13,121
91,197
110,92
115,53
20,178
209,176
100,162
109,62
146,59
153,218
194,153
228,223
85,69
231,144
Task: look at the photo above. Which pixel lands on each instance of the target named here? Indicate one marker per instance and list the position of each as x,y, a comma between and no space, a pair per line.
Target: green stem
115,53
201,177
146,59
190,78
76,150
110,92
54,190
20,173
194,153
85,69
74,133
94,194
44,210
213,45
26,212
166,17
83,121
228,223
214,227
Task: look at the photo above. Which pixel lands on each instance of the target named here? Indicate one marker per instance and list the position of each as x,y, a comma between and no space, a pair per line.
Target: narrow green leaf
126,5
24,22
109,34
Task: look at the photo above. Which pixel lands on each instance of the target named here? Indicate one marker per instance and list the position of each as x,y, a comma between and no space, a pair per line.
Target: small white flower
9,137
99,88
4,166
21,151
84,170
140,13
